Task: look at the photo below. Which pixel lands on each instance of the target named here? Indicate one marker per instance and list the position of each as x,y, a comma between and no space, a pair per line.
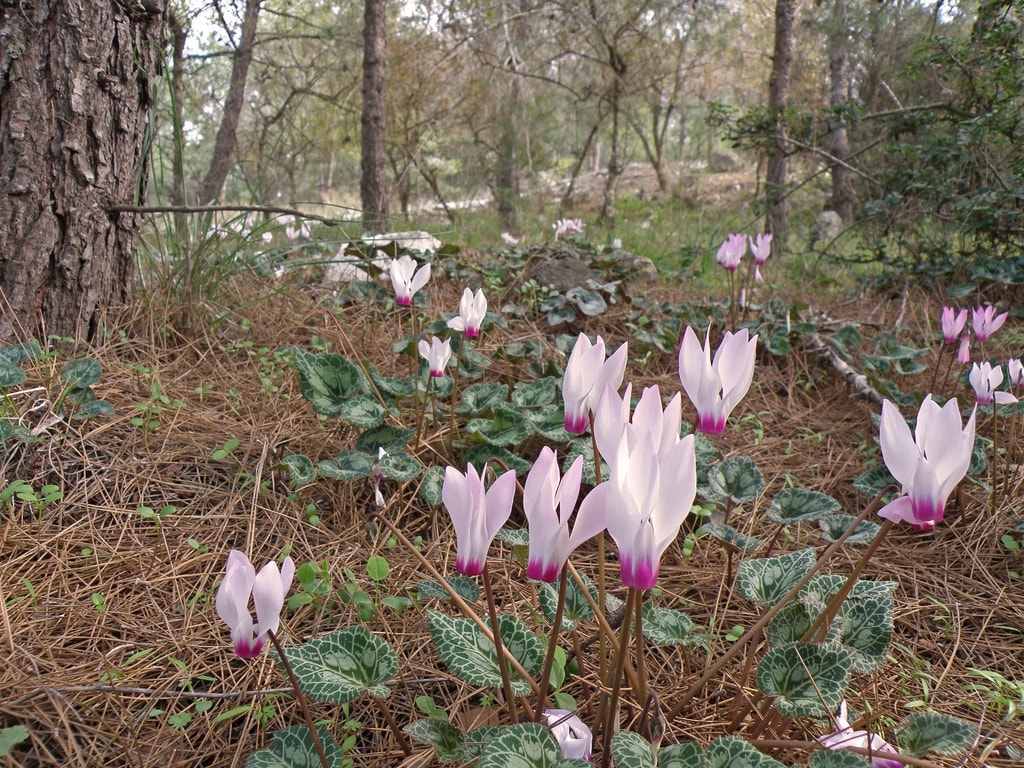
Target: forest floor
111,653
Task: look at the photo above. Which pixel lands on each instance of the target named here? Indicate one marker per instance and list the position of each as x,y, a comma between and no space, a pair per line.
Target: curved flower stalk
953,323
985,381
844,737
731,251
267,588
586,375
437,353
928,464
407,278
549,500
716,386
571,733
652,484
476,514
472,310
985,322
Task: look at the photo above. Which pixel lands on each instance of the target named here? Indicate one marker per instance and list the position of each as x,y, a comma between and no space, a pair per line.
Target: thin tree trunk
76,82
618,69
224,146
373,182
177,193
778,89
839,144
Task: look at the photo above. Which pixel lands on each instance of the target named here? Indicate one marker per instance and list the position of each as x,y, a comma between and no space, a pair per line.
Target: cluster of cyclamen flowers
734,248
985,378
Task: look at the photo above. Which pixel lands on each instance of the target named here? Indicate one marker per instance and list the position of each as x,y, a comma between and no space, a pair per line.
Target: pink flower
509,239
652,483
407,279
548,501
437,353
986,322
985,380
952,323
472,310
564,227
476,514
844,737
267,589
1016,370
731,251
963,354
586,374
928,464
760,249
571,733
716,386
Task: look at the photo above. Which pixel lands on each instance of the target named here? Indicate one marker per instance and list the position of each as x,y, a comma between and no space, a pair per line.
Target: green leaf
11,737
516,537
338,667
806,679
584,446
431,485
924,732
479,398
631,750
300,468
837,758
464,586
400,466
377,568
736,478
790,624
10,374
729,535
470,655
327,380
794,504
93,408
477,740
479,455
865,627
526,745
444,737
396,386
872,482
734,752
534,394
293,747
687,755
834,526
347,465
21,353
386,436
576,608
663,626
363,411
83,372
508,426
766,580
550,424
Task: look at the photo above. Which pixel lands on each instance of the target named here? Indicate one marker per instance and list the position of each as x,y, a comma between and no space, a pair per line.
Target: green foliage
737,479
576,608
837,758
834,526
792,505
526,745
11,737
924,732
663,626
444,737
729,535
342,665
464,586
293,747
767,580
734,752
806,679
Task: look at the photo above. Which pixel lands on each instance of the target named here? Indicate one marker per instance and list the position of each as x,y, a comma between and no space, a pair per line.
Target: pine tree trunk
75,90
778,90
373,183
839,143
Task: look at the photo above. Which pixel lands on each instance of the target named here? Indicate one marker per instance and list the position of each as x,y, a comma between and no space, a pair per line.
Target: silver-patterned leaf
736,478
688,755
729,535
834,526
734,752
808,680
342,665
526,745
631,750
293,747
792,505
444,737
766,580
924,732
664,626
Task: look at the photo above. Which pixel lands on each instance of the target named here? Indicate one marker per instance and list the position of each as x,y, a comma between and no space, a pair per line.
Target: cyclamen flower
586,374
731,251
476,514
267,588
716,386
407,279
1016,370
845,737
985,380
652,483
986,322
548,501
564,227
760,249
437,353
952,323
472,310
509,239
928,464
963,354
571,733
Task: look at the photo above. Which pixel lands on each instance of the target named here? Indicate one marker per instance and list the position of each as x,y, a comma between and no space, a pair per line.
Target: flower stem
638,654
608,727
506,682
995,454
549,659
300,697
385,711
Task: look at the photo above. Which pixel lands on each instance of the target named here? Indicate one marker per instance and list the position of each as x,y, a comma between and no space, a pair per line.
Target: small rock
724,161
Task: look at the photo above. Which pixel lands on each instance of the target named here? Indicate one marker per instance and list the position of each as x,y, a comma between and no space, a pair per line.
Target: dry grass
96,685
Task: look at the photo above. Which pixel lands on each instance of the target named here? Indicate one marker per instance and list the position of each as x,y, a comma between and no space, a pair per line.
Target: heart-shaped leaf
300,468
837,758
293,747
526,745
734,752
663,626
794,504
464,586
736,478
347,465
83,372
363,411
834,526
534,394
808,680
924,732
387,436
508,426
327,380
340,666
400,466
631,750
729,535
444,737
480,398
766,580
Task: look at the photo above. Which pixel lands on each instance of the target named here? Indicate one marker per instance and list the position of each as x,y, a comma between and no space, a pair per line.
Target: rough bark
617,65
224,146
839,139
75,90
778,90
373,182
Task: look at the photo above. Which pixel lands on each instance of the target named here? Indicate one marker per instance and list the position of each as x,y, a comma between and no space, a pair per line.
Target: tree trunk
839,142
778,89
618,70
373,182
75,91
177,193
224,146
